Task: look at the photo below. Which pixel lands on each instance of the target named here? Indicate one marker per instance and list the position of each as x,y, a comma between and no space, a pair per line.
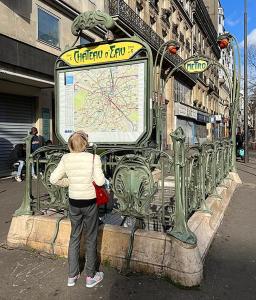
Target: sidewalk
230,267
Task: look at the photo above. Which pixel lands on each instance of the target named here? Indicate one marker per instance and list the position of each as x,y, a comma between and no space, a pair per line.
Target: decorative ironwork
134,172
188,45
166,13
205,22
91,19
134,186
182,39
120,9
183,11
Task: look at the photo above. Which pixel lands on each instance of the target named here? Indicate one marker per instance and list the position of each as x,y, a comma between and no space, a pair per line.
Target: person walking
77,170
18,155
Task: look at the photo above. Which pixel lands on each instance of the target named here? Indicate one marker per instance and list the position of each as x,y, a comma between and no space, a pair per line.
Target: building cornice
204,21
130,21
183,12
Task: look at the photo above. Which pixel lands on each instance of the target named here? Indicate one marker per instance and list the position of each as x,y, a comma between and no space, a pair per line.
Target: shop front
185,118
201,127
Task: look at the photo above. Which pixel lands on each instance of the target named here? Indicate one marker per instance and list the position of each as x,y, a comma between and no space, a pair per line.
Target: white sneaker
91,282
18,178
72,280
34,177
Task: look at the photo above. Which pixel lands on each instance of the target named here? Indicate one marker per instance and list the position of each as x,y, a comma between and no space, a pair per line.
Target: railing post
25,208
180,229
203,170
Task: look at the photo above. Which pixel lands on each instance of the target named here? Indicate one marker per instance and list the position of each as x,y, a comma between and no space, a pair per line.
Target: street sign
196,65
103,53
186,111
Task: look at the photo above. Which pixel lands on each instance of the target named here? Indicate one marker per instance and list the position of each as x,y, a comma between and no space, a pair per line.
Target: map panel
106,102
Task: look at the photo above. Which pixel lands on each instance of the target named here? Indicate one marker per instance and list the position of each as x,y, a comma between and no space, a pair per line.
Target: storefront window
48,28
182,93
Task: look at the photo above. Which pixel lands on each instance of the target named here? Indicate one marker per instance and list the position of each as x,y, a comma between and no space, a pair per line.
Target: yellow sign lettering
101,54
196,66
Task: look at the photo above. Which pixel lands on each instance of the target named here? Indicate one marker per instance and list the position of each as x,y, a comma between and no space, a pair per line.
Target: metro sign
196,65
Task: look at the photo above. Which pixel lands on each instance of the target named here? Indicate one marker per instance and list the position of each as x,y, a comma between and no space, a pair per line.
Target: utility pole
246,154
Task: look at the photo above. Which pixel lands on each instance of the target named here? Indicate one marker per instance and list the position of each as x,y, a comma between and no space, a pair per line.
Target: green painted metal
144,55
89,20
197,170
133,185
180,229
25,208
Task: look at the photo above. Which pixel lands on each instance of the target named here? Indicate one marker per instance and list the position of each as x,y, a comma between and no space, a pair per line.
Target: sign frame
147,58
196,65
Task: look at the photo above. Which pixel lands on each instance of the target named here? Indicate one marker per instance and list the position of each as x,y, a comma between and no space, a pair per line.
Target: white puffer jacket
75,170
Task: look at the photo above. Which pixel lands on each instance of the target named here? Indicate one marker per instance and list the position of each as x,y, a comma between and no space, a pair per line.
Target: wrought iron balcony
166,13
154,4
175,29
119,9
203,19
183,11
188,45
182,38
123,13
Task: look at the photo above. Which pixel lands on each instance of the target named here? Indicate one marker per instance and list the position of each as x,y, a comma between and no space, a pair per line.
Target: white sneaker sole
93,284
71,284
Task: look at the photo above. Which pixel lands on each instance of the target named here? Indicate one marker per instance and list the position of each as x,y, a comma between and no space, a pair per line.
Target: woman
77,170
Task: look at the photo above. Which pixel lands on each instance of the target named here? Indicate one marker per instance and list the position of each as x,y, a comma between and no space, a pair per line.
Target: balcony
131,22
154,5
183,11
182,39
188,45
175,29
203,19
166,13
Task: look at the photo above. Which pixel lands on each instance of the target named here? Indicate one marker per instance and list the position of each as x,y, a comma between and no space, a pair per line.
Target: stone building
192,100
34,32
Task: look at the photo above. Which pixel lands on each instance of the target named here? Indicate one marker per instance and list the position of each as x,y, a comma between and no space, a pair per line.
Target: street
229,270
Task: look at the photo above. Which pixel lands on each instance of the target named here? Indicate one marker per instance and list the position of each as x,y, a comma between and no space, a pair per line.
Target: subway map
105,102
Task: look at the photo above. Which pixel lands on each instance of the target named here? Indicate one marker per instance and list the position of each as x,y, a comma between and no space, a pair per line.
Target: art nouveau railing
160,189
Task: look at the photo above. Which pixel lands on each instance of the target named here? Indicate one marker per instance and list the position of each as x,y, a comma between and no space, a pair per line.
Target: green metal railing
160,189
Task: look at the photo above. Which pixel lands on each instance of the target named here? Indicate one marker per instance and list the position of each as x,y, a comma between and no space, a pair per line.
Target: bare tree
252,89
252,68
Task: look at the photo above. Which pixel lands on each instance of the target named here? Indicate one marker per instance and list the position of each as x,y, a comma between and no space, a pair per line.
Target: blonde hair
78,141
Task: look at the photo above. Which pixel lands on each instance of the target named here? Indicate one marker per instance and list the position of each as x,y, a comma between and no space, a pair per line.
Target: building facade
34,33
192,101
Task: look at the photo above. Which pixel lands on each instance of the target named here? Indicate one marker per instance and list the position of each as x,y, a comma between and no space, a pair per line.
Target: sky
234,19
234,23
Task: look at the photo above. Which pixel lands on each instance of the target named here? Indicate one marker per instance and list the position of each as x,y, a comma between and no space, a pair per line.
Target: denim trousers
20,167
86,218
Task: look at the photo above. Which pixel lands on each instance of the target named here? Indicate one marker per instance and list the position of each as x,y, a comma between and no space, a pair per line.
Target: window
48,28
181,93
84,40
138,8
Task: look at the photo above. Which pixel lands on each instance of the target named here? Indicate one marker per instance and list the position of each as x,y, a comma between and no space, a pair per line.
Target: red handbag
102,196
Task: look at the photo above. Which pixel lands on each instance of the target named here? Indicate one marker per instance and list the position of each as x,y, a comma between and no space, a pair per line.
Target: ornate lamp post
172,47
224,40
194,64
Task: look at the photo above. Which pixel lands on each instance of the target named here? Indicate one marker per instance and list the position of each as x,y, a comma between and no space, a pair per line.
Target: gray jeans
83,218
